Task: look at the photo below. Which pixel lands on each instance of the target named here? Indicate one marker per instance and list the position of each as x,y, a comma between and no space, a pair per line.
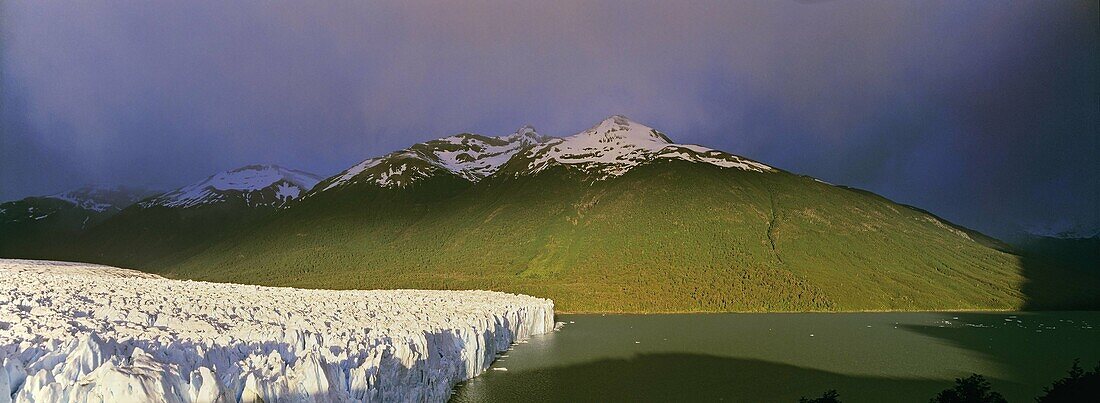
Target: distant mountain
104,199
1071,249
249,186
174,222
43,219
1059,231
91,201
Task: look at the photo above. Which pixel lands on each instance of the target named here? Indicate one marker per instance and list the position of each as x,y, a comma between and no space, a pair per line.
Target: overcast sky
986,113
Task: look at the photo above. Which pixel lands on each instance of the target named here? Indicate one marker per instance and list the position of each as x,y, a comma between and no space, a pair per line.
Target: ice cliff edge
75,332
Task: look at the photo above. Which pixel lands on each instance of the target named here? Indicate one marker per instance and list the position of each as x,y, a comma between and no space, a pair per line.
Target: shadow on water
1030,350
665,377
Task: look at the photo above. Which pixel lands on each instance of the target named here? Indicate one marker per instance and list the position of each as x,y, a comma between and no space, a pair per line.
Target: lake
866,357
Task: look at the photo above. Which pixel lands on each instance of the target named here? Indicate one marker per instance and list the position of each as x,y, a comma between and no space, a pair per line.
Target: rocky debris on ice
78,332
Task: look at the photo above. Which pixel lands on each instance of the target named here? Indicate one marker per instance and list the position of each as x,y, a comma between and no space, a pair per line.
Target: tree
829,396
973,389
1079,386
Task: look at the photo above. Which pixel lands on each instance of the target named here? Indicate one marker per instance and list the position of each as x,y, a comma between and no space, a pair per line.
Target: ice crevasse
80,332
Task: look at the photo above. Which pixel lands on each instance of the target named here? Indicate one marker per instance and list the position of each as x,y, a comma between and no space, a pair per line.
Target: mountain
468,156
89,200
34,220
611,148
103,199
616,218
181,221
615,146
1071,249
249,186
620,218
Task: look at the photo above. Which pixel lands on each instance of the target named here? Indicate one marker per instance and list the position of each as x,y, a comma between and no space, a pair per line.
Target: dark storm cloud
986,113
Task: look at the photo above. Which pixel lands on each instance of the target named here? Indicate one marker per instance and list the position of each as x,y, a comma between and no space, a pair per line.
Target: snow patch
79,332
617,144
101,198
286,191
351,173
468,156
245,182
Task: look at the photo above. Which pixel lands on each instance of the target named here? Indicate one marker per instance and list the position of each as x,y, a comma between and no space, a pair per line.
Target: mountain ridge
256,185
610,148
94,201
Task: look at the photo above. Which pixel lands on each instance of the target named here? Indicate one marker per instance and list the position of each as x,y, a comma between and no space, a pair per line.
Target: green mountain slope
666,236
149,237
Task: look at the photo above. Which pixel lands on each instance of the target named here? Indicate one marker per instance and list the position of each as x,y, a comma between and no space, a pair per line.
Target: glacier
83,332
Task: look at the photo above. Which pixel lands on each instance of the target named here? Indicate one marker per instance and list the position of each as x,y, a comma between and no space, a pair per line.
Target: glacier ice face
77,332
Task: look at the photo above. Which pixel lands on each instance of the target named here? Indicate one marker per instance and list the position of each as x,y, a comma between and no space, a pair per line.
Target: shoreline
561,312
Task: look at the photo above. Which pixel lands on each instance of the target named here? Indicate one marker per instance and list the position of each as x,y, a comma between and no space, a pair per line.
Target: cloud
984,112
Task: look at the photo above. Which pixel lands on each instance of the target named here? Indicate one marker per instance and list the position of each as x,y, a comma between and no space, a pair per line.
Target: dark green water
867,357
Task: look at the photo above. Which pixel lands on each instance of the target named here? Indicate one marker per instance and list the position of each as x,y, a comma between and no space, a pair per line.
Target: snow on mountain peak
102,198
1063,230
525,135
618,144
526,130
256,177
610,148
619,128
257,185
469,156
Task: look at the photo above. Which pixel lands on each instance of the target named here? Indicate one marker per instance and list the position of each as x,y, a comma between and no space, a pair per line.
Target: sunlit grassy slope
670,236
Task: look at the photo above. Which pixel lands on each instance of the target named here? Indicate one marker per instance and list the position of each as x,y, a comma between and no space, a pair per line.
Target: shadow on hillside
668,377
1057,285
